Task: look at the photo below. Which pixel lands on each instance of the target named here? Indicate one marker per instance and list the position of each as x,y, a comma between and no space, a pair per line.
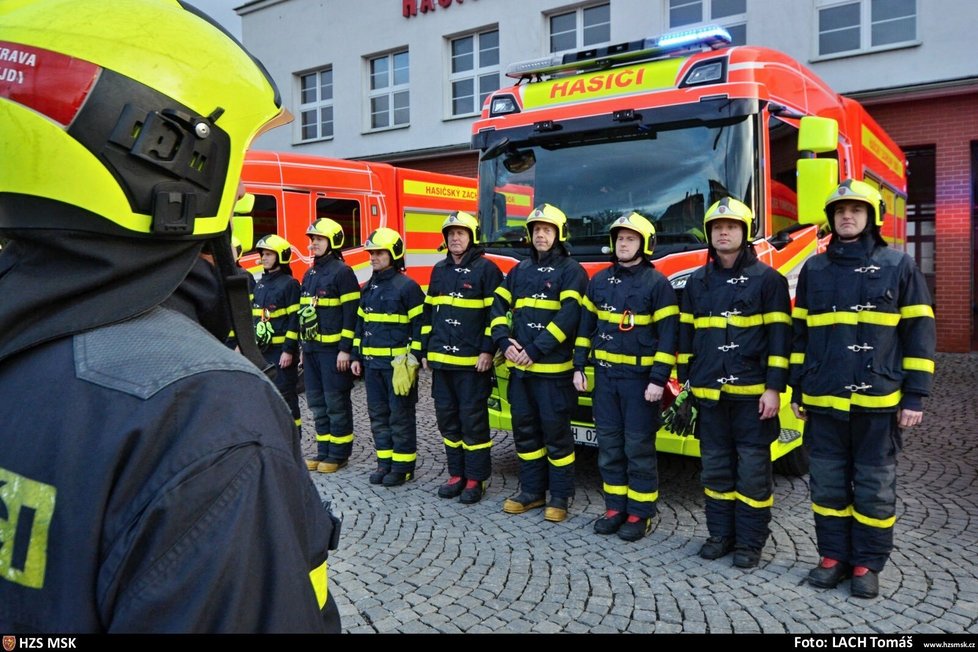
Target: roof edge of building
940,88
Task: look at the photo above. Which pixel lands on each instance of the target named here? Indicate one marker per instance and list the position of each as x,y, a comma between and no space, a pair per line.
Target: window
316,105
865,25
264,216
344,212
580,28
475,71
921,210
389,96
730,14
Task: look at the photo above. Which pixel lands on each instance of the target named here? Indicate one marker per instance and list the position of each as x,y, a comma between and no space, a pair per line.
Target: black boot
452,488
634,528
828,573
377,477
473,492
716,547
865,583
610,522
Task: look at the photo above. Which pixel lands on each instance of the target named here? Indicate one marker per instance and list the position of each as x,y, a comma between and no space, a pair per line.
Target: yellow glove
405,373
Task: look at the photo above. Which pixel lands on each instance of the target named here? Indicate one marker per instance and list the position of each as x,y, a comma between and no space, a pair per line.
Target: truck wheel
795,463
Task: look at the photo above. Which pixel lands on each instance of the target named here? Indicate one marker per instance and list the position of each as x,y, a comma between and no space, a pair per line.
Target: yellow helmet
549,214
852,190
384,239
277,244
144,132
465,221
729,208
329,229
634,222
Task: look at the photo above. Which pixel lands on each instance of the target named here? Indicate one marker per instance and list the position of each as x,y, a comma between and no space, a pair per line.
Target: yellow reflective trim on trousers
542,304
477,304
554,330
571,294
845,512
662,313
862,400
881,523
615,489
739,390
385,318
583,341
756,504
643,497
797,358
343,439
562,461
918,310
380,350
476,447
665,358
326,437
853,318
417,310
319,577
777,361
777,318
532,455
452,444
615,318
498,321
720,495
554,368
405,457
505,294
385,454
461,361
799,313
918,364
686,318
684,358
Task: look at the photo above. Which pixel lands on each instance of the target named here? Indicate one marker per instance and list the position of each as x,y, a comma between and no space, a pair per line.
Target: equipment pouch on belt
308,323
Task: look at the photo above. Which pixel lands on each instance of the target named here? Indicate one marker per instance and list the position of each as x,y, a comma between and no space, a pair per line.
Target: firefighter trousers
463,420
735,449
392,421
853,483
328,395
286,379
541,409
626,425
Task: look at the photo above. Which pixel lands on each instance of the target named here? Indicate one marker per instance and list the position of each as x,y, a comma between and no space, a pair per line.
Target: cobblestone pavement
412,562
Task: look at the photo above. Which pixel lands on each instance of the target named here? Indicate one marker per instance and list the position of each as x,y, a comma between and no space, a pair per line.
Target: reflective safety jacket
331,286
629,324
388,319
735,330
539,306
457,310
277,301
179,501
864,331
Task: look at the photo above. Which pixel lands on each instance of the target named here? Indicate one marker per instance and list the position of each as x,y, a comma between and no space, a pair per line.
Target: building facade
401,81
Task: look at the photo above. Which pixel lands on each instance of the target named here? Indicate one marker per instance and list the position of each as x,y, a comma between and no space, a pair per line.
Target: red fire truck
665,126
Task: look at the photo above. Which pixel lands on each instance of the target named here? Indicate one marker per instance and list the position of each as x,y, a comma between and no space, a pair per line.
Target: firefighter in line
628,330
735,338
862,361
534,322
327,318
275,308
173,502
387,337
458,348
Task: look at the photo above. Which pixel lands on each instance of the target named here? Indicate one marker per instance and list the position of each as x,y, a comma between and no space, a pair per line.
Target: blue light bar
711,35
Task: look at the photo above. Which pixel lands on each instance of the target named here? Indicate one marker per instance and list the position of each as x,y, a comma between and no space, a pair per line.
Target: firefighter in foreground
275,308
166,491
458,348
628,330
735,337
534,322
387,337
327,318
862,361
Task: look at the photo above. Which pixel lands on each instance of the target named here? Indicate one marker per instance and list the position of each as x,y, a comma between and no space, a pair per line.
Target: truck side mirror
817,177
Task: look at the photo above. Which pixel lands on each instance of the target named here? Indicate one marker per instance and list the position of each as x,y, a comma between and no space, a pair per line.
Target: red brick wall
950,124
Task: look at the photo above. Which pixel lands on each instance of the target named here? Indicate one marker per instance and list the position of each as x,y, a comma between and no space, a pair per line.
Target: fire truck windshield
669,175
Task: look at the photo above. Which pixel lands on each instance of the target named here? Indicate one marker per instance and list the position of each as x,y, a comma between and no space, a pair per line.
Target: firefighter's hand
356,368
799,412
769,404
517,355
484,362
424,363
580,381
285,360
909,418
653,393
343,361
